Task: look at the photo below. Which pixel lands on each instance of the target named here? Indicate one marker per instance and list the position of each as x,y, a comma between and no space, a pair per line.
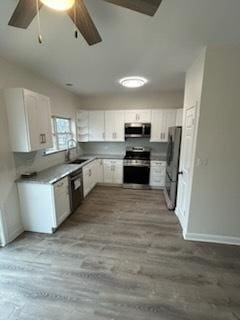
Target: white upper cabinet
96,123
179,117
44,121
161,121
29,118
137,116
114,125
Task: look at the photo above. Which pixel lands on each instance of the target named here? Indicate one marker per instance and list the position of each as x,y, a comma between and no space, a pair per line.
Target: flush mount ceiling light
60,5
133,82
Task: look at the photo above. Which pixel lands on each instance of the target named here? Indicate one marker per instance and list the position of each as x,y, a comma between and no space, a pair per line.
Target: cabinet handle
103,135
42,138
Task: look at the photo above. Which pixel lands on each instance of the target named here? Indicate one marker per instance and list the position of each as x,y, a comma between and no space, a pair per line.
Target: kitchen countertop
56,173
52,174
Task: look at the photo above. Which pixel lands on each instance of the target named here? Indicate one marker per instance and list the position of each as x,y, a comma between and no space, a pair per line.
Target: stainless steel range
136,168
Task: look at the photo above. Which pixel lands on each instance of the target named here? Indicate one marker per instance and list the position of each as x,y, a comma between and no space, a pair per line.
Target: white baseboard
180,219
211,238
13,235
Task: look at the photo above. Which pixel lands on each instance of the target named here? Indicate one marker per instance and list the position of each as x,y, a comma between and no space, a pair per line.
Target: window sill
45,154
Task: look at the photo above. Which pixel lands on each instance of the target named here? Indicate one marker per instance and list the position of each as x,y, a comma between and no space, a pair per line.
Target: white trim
180,219
12,236
211,238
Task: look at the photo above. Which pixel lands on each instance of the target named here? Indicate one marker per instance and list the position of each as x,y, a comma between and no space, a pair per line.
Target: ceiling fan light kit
59,5
26,11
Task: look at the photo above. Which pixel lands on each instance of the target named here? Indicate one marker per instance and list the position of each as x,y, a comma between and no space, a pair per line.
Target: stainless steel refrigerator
172,168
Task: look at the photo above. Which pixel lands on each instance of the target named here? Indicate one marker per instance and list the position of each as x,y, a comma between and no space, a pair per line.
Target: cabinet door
86,180
118,173
93,173
32,118
169,120
130,116
144,116
96,126
44,117
100,171
136,116
62,201
161,121
156,125
114,125
157,173
107,171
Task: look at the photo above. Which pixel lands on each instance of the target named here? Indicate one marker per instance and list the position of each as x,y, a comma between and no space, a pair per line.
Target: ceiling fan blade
84,23
24,14
148,7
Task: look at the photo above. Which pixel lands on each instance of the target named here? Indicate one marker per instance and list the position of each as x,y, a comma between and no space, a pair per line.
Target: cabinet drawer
61,186
113,162
157,181
158,171
158,163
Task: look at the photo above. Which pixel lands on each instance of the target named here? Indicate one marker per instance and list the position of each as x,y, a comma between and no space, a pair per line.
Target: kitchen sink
78,161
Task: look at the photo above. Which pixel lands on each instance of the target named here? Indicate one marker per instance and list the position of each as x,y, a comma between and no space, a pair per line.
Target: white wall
63,103
215,206
134,100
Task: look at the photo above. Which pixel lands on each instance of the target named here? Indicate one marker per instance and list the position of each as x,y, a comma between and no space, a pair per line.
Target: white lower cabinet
90,177
62,201
44,206
157,174
113,171
100,178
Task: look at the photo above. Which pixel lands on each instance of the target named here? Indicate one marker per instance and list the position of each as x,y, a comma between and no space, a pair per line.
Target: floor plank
120,256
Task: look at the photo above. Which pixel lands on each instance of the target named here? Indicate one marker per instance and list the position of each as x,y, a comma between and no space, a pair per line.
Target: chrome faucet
67,154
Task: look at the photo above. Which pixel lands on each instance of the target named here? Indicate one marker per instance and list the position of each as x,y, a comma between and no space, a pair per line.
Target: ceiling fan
26,10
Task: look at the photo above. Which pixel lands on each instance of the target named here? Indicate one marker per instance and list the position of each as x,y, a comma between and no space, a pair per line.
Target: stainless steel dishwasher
76,189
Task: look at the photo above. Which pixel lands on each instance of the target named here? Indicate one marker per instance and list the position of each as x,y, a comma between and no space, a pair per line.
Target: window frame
55,135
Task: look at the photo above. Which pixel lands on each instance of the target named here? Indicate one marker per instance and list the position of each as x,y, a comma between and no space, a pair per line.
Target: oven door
136,175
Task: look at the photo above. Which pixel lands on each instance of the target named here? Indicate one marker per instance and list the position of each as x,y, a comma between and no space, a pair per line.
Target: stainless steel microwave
137,130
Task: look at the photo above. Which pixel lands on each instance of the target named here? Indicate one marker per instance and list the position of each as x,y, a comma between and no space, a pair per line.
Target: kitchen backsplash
120,147
37,161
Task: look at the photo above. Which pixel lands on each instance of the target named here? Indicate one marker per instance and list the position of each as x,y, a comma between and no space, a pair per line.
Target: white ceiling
159,48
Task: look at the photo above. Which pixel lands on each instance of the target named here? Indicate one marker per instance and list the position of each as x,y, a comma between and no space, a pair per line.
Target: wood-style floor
121,256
